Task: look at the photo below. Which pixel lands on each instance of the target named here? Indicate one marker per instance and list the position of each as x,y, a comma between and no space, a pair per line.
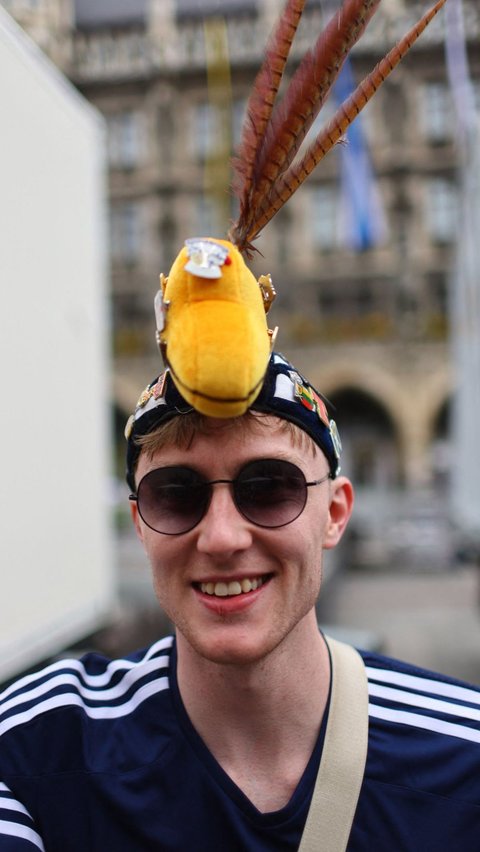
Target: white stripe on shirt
67,678
427,723
73,699
13,829
96,680
424,684
13,805
425,701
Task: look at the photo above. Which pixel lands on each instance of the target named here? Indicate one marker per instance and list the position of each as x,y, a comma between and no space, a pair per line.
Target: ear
136,519
341,505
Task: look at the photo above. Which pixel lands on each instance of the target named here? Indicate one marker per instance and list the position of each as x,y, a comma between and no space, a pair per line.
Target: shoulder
424,729
421,786
406,694
48,710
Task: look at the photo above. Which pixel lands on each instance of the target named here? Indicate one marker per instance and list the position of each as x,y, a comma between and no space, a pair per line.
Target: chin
230,650
228,656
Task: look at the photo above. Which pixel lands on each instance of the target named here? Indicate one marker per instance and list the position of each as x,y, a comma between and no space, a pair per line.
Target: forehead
183,430
190,436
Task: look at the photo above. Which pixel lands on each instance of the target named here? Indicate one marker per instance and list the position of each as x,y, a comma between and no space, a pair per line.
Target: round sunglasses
269,493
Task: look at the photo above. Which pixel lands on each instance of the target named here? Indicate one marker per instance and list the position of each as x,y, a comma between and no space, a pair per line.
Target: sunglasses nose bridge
223,529
211,493
220,482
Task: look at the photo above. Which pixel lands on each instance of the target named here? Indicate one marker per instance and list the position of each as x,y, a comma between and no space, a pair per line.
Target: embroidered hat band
285,393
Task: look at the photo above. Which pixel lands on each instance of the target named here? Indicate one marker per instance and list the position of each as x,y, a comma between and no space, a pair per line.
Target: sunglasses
269,493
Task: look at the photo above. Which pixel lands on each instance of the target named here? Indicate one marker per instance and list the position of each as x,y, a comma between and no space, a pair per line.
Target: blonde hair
181,431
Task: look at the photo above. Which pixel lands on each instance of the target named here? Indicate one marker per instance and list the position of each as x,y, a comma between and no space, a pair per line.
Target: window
437,290
205,130
125,140
166,133
238,115
476,94
441,210
324,217
125,232
437,113
207,218
352,299
200,8
129,309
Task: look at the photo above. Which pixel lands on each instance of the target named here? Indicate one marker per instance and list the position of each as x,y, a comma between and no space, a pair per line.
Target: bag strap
344,755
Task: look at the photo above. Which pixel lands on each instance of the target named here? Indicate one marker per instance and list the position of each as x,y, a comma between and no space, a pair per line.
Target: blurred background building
366,314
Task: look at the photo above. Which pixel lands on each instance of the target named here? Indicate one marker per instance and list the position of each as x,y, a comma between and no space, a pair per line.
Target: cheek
156,552
168,559
165,578
312,537
315,528
303,551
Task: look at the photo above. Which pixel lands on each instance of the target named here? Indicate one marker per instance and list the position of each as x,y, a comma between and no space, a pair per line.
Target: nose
223,530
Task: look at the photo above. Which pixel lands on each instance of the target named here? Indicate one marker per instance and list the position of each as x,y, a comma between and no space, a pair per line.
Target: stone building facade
371,328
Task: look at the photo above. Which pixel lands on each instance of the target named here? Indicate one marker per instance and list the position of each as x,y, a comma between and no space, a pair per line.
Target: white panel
56,577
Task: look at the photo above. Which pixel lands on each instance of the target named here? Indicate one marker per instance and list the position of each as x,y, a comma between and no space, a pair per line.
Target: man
212,739
247,730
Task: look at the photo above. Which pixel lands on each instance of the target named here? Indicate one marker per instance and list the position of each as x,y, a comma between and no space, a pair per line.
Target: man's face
284,564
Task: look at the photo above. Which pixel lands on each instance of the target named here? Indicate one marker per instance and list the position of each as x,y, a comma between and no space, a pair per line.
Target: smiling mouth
233,588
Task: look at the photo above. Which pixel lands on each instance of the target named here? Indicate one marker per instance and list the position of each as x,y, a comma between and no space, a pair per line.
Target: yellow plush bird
211,327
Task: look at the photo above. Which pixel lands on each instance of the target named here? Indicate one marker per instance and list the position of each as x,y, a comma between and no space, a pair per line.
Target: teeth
224,590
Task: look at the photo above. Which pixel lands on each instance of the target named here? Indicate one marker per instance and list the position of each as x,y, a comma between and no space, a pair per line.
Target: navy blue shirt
98,754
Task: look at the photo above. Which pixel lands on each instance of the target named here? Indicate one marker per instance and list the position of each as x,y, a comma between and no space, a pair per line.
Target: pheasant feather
262,98
334,131
292,118
265,174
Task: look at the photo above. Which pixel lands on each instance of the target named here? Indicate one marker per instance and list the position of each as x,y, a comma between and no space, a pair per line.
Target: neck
261,720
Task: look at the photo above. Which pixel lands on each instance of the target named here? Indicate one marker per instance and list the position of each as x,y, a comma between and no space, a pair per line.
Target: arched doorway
370,444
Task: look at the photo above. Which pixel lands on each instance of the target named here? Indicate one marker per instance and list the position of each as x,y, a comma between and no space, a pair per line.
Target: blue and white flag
362,219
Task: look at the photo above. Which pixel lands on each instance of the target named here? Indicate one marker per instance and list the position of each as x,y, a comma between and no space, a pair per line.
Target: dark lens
270,492
172,500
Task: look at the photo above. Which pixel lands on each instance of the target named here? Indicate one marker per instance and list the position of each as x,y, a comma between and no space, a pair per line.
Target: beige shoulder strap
342,765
